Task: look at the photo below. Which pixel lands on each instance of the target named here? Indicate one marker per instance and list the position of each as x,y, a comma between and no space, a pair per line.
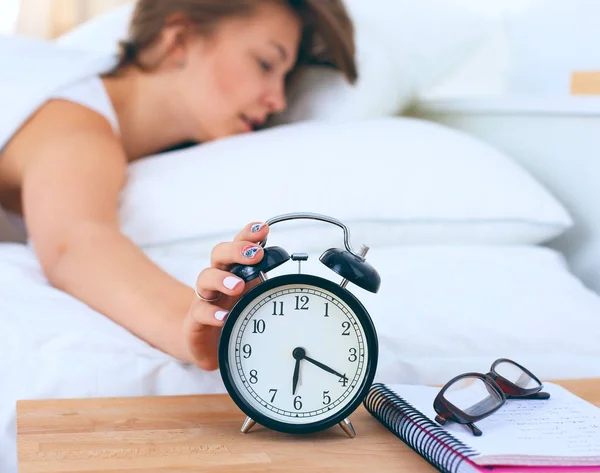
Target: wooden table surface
202,433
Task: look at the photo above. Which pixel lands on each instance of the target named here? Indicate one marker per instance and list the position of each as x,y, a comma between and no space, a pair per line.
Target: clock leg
347,427
248,424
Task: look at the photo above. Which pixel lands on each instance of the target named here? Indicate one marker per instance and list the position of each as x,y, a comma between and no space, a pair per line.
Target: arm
71,186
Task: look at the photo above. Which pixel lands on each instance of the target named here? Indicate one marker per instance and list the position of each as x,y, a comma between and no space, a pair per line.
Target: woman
192,71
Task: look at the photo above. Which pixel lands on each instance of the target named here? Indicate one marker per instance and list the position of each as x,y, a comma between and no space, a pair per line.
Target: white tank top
89,92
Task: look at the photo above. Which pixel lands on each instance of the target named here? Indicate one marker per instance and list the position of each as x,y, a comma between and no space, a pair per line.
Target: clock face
298,351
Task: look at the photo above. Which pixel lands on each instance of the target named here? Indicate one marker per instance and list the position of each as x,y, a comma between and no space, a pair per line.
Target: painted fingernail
257,227
250,251
230,282
221,314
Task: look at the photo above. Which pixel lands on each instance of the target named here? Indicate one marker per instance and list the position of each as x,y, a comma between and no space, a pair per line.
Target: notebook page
562,426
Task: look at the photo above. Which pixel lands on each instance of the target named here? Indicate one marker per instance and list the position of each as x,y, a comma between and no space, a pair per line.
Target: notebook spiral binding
440,448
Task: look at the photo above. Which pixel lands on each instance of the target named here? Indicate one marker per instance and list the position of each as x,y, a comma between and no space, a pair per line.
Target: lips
252,123
246,122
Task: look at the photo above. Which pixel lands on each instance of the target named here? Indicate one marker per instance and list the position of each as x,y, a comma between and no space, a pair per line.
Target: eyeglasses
470,397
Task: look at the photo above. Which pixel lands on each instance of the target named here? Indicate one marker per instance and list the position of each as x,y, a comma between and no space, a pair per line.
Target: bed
466,276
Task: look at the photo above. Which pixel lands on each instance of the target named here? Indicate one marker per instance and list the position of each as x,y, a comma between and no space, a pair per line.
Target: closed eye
265,66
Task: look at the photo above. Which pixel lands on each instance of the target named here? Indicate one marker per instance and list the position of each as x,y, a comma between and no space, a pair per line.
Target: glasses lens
473,396
516,375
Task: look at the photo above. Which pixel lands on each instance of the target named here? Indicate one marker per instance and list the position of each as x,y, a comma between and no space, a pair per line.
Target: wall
531,53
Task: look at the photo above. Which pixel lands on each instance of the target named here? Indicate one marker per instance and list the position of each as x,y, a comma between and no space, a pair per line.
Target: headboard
558,141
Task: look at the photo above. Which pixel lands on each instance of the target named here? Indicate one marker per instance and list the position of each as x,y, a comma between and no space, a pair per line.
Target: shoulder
58,115
64,127
58,122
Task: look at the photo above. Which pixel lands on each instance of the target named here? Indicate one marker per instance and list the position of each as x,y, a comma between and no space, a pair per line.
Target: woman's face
235,79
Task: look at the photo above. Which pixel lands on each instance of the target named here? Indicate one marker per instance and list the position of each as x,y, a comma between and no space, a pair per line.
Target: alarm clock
298,352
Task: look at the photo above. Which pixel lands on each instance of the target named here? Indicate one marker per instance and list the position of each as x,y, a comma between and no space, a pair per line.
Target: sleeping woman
191,71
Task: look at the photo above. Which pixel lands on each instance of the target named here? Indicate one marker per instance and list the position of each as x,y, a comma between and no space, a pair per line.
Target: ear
175,37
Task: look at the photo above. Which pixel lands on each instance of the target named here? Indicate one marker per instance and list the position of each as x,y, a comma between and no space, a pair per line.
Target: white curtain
51,18
9,10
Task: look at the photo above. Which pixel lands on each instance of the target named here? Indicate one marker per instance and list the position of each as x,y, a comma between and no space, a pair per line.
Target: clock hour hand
322,366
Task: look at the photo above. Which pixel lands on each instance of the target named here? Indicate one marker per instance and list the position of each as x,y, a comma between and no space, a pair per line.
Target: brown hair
327,39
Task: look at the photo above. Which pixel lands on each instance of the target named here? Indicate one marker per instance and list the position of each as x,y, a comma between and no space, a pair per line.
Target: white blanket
32,69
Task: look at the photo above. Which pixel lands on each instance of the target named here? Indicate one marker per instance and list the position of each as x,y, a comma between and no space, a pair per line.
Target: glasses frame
496,385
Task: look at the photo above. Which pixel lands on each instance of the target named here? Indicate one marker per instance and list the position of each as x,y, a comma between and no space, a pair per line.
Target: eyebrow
282,51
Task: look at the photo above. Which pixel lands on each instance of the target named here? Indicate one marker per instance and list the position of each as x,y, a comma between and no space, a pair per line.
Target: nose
276,97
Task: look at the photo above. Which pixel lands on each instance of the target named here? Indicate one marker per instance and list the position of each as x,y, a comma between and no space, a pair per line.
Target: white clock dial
330,343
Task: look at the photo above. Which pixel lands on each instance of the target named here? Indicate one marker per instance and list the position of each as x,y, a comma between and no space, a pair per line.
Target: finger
202,314
243,252
255,232
212,281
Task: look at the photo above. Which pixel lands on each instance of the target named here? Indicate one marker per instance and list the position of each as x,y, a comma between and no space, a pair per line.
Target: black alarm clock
298,353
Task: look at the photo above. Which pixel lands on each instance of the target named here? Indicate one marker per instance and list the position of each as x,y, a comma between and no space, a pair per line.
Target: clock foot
347,427
248,424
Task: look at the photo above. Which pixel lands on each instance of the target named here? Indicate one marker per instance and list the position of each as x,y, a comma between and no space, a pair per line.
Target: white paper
562,426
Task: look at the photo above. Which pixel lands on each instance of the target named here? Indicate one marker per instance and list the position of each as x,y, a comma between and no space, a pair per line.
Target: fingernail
230,282
221,314
250,251
257,227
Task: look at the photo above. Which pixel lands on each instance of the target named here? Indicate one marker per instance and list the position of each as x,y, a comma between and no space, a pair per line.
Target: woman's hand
203,323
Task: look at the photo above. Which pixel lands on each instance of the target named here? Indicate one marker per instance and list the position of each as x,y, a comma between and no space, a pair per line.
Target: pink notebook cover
535,469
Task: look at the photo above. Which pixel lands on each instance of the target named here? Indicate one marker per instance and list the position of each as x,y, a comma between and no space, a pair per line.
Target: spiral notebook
554,435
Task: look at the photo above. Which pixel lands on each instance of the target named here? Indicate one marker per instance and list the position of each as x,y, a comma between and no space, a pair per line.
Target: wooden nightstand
202,433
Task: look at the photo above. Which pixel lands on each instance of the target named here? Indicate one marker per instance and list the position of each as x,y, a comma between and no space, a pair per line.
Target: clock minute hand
323,367
296,375
298,353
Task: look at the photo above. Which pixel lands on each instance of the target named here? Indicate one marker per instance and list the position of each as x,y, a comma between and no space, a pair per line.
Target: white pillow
426,38
402,47
324,93
397,180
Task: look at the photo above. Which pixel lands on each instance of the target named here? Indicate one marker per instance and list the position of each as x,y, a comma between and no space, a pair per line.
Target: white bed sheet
441,310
